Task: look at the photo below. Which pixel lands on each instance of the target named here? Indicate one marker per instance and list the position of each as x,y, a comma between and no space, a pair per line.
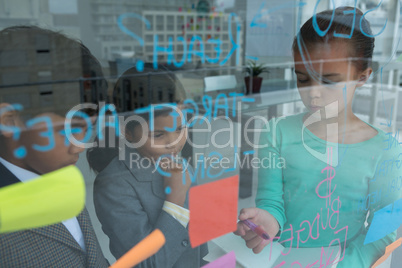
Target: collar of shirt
22,174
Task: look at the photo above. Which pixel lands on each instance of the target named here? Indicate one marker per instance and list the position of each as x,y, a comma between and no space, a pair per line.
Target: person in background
40,74
132,198
314,200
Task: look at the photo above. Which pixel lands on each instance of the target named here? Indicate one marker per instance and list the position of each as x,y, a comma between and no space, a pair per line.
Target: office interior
208,45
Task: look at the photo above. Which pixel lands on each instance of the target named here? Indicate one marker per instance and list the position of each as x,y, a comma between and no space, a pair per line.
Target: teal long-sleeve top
322,193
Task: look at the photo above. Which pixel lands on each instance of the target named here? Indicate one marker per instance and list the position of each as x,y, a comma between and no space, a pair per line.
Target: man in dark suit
41,75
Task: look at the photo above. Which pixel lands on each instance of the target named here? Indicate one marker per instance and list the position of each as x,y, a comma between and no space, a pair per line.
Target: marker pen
256,229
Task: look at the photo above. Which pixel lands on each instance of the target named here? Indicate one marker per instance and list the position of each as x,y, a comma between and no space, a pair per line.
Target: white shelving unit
104,15
172,25
168,19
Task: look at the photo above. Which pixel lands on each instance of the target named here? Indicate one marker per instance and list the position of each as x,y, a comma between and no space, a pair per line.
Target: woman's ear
364,76
9,118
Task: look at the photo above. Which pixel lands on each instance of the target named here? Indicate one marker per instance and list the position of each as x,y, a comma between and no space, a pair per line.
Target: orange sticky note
142,251
213,210
388,250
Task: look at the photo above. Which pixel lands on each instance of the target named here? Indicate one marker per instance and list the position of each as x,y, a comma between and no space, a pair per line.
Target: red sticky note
226,261
213,210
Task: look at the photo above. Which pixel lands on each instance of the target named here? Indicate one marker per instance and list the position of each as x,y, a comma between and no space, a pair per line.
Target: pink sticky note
226,261
213,210
180,9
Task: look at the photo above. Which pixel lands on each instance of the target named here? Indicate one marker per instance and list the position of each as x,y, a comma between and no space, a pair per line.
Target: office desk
270,99
271,255
245,258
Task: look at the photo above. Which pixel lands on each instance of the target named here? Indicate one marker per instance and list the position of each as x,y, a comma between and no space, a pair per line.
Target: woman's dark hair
361,42
135,90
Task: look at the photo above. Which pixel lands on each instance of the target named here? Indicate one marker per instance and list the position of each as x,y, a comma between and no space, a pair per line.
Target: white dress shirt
24,175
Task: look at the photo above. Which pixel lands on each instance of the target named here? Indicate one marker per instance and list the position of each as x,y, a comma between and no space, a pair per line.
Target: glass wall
258,133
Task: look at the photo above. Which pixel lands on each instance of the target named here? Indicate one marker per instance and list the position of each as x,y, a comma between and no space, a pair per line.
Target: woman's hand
178,188
262,218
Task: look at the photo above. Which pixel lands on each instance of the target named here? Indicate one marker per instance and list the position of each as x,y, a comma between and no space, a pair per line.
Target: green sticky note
49,199
399,58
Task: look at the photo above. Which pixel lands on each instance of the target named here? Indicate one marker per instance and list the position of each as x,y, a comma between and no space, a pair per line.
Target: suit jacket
50,246
128,202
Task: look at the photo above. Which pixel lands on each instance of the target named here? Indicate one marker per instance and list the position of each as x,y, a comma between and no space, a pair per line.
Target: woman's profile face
327,77
168,137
